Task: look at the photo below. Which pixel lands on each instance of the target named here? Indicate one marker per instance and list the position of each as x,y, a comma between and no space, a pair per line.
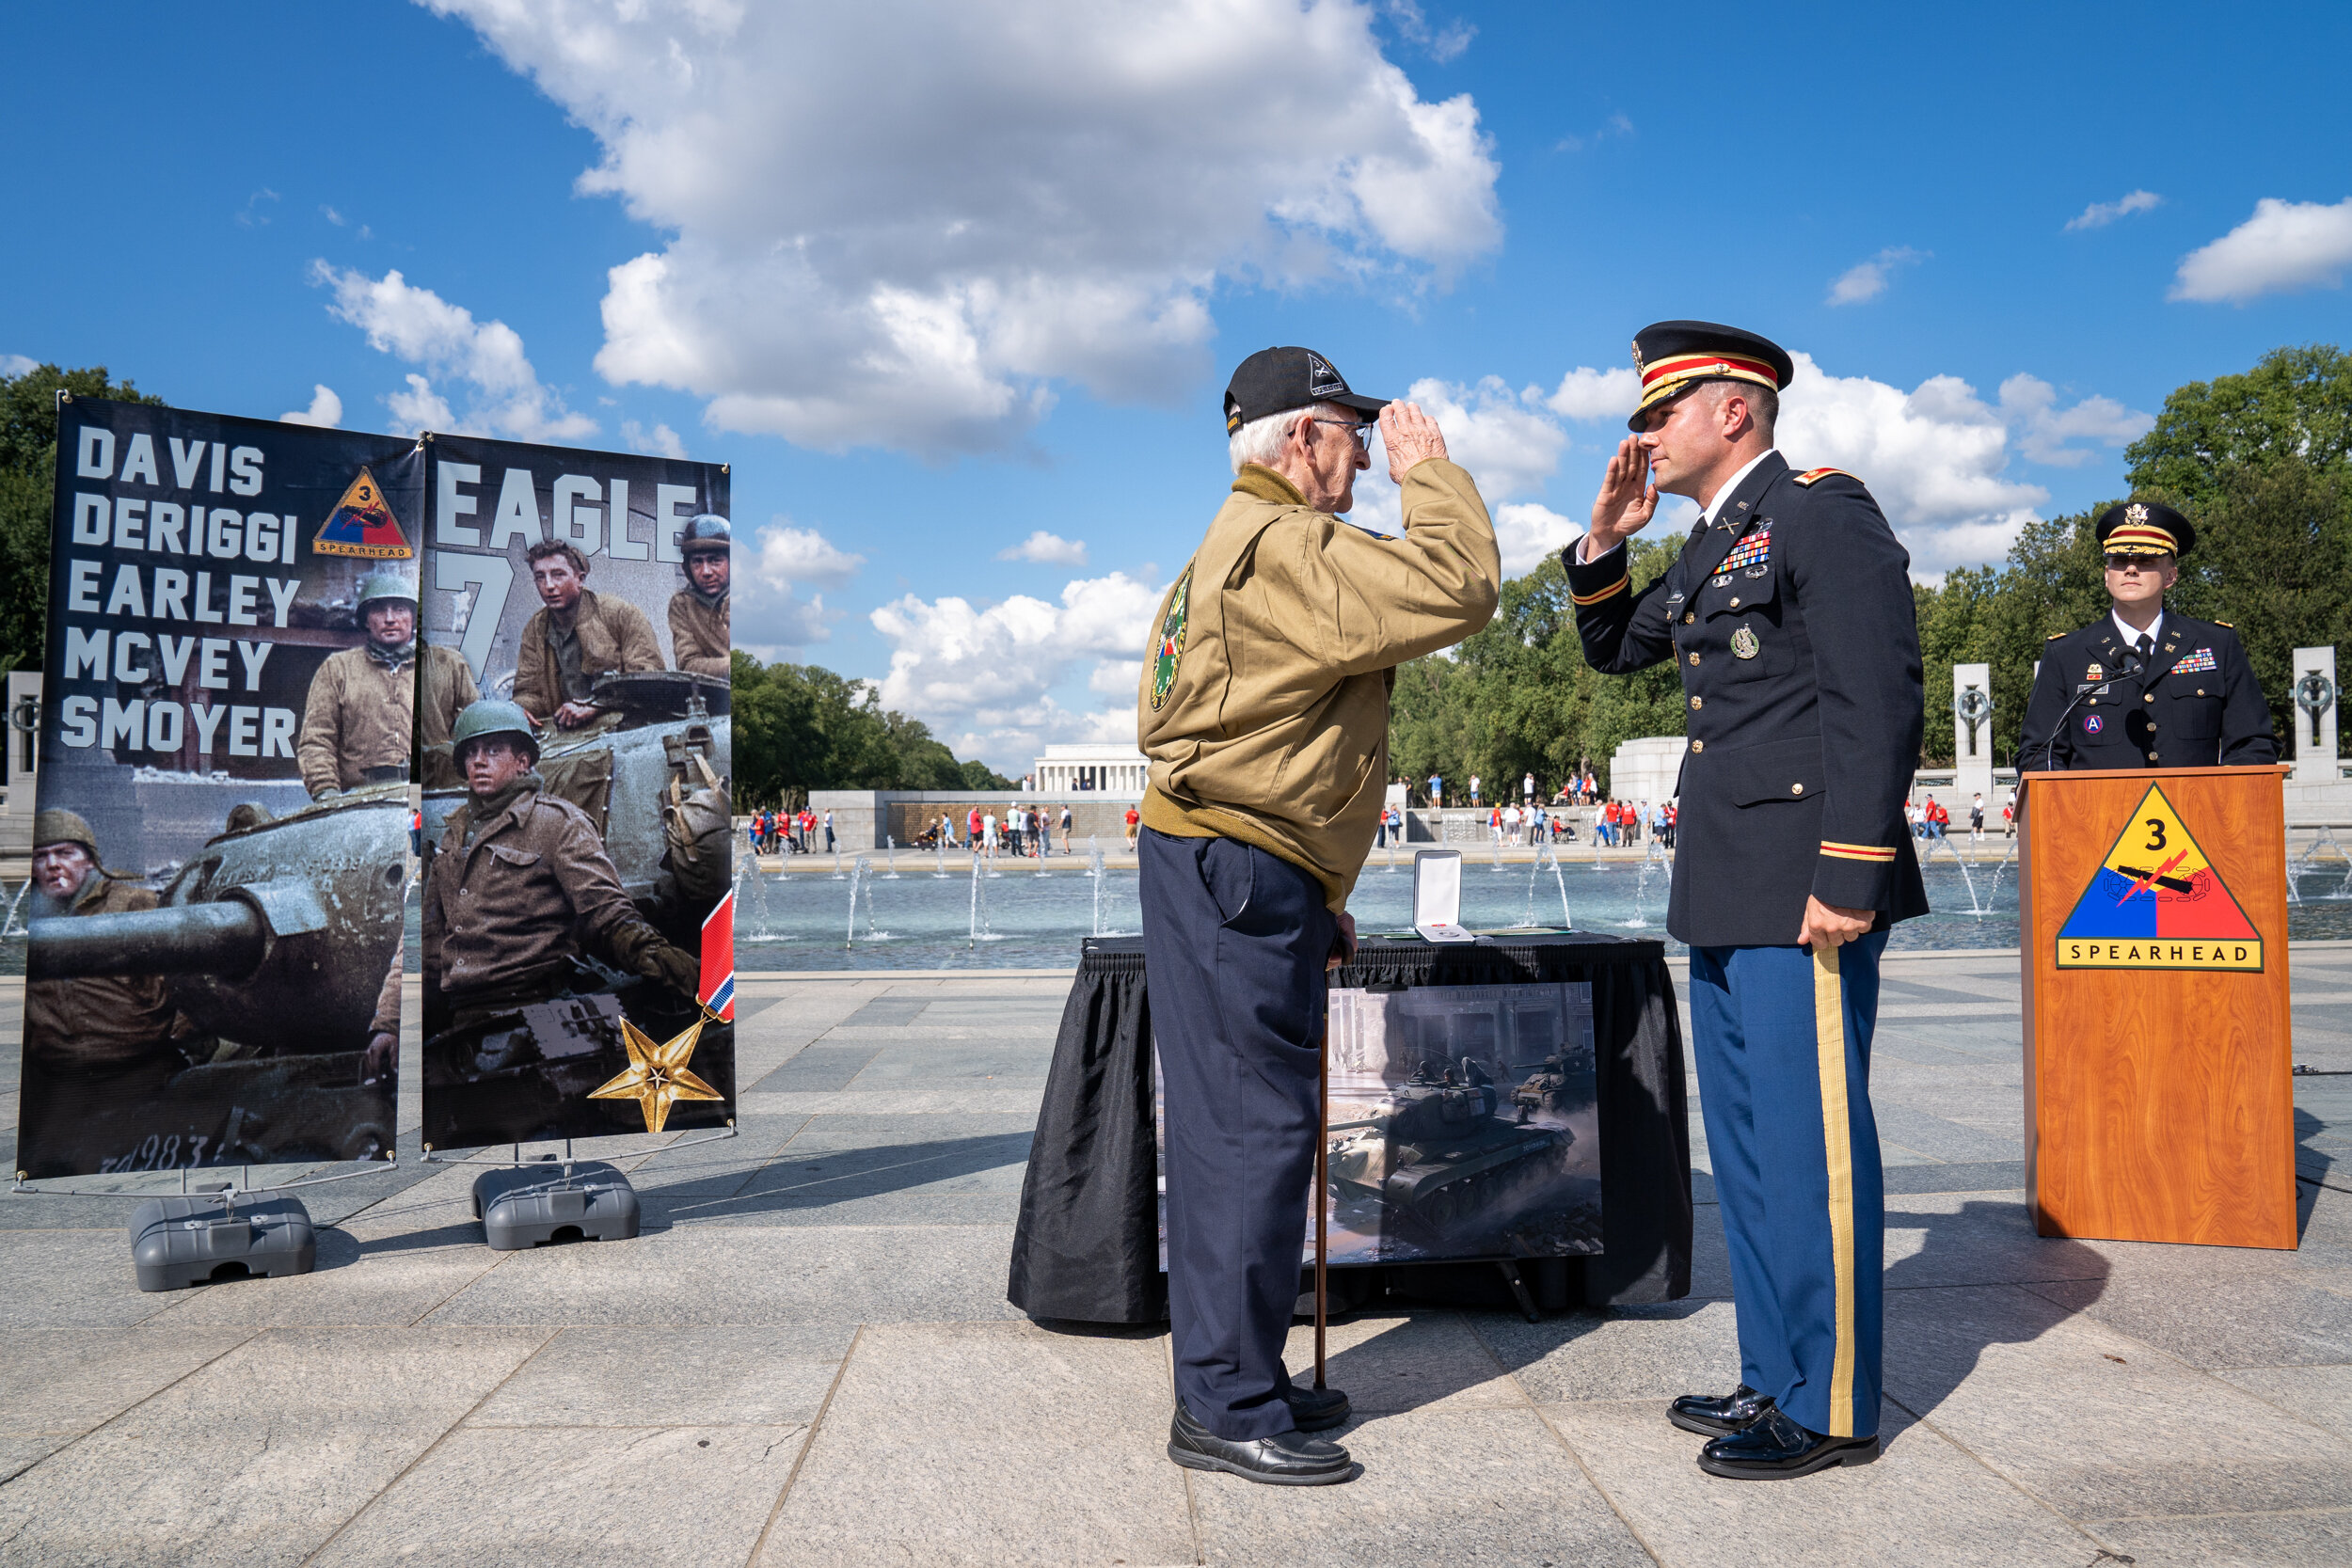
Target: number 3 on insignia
1171,643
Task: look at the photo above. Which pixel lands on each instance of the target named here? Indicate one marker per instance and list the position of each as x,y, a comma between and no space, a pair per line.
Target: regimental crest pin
362,524
1170,651
1743,643
2096,672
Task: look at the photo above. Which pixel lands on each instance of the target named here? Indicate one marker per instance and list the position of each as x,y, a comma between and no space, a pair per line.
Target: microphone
2049,752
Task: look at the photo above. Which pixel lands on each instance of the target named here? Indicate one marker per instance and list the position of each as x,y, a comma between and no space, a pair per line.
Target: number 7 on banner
717,988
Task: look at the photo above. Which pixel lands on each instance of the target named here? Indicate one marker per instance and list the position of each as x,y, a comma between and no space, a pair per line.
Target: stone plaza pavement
808,1358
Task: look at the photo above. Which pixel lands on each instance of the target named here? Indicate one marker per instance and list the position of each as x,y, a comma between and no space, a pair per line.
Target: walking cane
1322,1186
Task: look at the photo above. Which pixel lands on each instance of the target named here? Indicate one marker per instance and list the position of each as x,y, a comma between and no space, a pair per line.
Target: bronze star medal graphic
656,1076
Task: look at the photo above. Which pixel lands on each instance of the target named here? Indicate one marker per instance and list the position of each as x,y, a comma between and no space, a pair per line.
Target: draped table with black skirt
1087,1247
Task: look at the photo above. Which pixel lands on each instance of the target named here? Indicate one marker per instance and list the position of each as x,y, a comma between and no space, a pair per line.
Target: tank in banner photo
576,803
213,970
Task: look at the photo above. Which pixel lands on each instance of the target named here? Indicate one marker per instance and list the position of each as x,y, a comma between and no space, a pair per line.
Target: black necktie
2145,648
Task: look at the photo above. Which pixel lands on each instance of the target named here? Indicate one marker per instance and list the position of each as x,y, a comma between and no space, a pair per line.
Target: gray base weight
176,1242
533,1205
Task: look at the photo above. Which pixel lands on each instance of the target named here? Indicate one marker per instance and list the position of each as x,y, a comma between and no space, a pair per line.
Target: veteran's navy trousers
1782,1037
1235,942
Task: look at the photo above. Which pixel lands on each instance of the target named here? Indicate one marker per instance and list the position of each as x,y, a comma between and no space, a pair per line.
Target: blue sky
939,280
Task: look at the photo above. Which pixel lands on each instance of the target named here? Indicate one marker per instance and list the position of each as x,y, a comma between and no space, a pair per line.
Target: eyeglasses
1363,432
2118,563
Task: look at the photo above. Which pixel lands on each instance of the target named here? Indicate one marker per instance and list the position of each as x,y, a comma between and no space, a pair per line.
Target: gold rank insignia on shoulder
1812,475
2054,637
2225,623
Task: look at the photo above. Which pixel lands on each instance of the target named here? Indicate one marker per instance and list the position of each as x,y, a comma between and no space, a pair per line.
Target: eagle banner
574,742
220,835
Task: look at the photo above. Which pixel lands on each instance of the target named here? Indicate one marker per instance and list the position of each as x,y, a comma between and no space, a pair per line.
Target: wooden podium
2153,940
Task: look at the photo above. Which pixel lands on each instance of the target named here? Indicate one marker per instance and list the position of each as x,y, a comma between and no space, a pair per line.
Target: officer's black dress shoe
1316,1409
1719,1414
1285,1459
1776,1448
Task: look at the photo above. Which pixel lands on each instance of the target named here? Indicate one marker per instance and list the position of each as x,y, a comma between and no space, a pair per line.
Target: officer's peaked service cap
2145,528
1675,356
1277,380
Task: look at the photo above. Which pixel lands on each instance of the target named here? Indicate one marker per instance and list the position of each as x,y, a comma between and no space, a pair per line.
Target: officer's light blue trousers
1782,1037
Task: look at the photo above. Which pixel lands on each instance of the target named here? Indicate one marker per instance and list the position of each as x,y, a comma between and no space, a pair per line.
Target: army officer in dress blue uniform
1788,615
2144,686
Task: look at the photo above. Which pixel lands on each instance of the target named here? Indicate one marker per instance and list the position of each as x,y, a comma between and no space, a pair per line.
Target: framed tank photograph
1464,1125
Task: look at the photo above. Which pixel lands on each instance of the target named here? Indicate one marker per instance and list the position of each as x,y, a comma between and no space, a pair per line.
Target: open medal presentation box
2153,940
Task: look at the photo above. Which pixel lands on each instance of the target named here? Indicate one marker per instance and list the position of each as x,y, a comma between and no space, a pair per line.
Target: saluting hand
1628,500
1411,436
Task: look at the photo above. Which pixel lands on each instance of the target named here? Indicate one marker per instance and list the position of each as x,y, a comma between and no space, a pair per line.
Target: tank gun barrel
226,938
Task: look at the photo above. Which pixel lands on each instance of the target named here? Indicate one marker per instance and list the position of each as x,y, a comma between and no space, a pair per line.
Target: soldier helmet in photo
59,826
1675,356
491,716
705,531
380,586
2145,528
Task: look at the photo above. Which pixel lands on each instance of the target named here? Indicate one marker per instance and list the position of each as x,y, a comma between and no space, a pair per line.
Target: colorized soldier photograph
576,825
220,849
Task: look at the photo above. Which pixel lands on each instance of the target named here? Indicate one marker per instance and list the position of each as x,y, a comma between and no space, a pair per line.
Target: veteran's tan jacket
1264,705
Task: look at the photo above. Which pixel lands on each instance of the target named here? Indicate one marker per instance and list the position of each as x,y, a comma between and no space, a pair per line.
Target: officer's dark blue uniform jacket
1791,622
2194,705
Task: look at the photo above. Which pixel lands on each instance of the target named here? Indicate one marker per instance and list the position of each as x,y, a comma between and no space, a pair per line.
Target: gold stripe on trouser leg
1829,1036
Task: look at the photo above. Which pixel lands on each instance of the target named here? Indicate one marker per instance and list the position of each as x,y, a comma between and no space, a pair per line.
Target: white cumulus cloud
1047,550
769,616
325,410
1869,279
660,441
1585,393
2285,245
902,224
1526,533
421,327
14,365
981,675
2099,213
2043,428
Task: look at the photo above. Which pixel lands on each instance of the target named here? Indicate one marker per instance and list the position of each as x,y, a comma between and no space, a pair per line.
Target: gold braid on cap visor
1667,376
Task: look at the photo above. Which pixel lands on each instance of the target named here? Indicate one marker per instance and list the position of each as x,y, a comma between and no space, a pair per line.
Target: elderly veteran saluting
1264,707
2143,686
1789,616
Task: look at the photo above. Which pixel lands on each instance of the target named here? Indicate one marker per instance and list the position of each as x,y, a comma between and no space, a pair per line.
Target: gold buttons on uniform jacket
2148,697
1796,789
1695,659
1735,604
1698,744
2152,756
1688,618
2201,691
1695,702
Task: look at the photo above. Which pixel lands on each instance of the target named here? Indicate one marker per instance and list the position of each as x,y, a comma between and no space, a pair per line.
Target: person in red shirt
1132,818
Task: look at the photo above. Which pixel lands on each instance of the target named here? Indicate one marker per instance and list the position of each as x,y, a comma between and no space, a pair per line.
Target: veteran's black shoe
1719,1414
1285,1459
1776,1448
1316,1409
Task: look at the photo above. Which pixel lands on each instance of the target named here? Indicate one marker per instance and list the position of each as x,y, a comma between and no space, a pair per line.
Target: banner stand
181,1239
590,1200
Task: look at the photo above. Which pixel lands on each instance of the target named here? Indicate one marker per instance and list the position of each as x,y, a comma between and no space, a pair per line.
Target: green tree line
799,727
2260,463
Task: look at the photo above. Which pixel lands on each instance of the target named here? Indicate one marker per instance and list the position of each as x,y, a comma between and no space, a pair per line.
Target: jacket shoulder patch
1813,475
2054,637
1170,652
2225,623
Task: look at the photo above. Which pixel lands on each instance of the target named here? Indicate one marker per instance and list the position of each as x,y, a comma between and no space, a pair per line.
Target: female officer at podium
2144,686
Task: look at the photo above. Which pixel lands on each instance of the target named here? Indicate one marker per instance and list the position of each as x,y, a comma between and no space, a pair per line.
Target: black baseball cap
1277,380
